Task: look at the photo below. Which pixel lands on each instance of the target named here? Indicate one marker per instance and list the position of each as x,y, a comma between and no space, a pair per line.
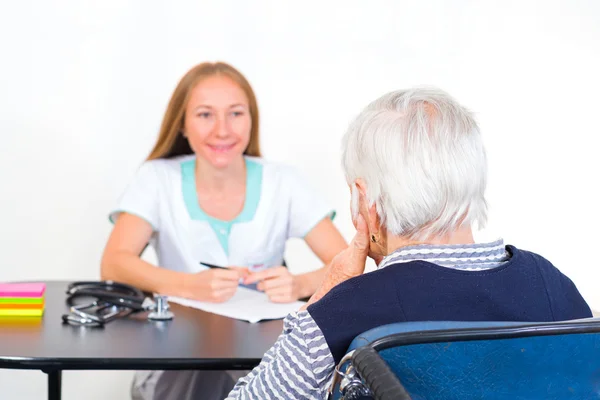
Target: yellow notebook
24,312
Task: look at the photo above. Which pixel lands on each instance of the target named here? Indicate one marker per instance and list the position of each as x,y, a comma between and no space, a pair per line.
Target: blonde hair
171,141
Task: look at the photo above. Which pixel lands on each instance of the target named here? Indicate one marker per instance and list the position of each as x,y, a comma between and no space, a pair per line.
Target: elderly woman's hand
347,264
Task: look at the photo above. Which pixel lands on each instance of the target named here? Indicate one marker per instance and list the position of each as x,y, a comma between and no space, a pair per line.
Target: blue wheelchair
472,360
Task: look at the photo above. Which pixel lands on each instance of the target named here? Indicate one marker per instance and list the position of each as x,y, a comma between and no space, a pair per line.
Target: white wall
83,85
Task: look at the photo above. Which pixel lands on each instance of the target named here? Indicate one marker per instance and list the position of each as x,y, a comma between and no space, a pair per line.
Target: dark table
194,339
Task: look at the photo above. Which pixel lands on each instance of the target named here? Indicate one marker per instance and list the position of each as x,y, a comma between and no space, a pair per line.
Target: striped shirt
300,364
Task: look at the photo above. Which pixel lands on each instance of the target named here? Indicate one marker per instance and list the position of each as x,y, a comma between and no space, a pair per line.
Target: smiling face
217,121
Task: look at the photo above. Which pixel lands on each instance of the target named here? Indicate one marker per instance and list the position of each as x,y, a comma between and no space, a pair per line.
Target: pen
250,286
210,265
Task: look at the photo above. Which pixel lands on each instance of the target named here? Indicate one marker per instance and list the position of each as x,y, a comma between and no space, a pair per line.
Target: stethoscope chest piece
161,311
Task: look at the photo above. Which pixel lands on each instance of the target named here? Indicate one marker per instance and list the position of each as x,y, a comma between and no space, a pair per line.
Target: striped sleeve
298,366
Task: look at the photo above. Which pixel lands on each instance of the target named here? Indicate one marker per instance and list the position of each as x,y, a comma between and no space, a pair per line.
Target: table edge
52,364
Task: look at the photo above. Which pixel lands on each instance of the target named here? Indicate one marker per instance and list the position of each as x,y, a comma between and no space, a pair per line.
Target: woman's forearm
130,269
309,282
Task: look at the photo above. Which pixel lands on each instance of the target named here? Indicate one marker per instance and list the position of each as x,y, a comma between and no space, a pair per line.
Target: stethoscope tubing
114,293
124,298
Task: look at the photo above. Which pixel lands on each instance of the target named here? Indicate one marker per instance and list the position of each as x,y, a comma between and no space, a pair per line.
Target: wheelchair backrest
491,360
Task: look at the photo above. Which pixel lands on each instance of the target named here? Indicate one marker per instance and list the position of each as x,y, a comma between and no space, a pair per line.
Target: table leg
54,384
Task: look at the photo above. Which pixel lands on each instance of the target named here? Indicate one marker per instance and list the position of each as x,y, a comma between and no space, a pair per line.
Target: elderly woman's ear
360,206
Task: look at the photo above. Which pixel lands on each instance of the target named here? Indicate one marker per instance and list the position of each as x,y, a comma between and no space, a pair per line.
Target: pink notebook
22,289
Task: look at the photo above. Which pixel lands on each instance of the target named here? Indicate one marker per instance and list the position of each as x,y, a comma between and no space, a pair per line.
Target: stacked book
22,299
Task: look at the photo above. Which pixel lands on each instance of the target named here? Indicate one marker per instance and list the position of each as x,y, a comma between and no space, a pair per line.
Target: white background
83,86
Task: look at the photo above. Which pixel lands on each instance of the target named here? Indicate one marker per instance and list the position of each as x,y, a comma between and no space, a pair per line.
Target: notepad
21,300
31,312
22,289
246,305
19,306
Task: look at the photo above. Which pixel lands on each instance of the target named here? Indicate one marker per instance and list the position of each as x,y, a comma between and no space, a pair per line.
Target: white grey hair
422,158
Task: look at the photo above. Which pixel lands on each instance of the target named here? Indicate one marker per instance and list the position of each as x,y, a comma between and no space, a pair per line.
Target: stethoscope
95,303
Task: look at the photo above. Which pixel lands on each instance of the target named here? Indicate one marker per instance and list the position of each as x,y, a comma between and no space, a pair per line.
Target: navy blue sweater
526,288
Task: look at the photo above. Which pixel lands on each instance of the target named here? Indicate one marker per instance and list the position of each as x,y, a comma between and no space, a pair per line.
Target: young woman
205,196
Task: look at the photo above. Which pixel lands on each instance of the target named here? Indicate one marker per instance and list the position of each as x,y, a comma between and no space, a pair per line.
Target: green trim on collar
254,174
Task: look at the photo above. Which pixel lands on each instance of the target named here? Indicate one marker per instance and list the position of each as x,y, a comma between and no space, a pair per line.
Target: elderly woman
416,166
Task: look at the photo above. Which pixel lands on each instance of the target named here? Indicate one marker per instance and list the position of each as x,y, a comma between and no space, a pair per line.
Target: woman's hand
215,285
277,283
347,264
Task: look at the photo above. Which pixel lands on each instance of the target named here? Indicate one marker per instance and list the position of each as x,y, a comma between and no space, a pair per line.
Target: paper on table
246,304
